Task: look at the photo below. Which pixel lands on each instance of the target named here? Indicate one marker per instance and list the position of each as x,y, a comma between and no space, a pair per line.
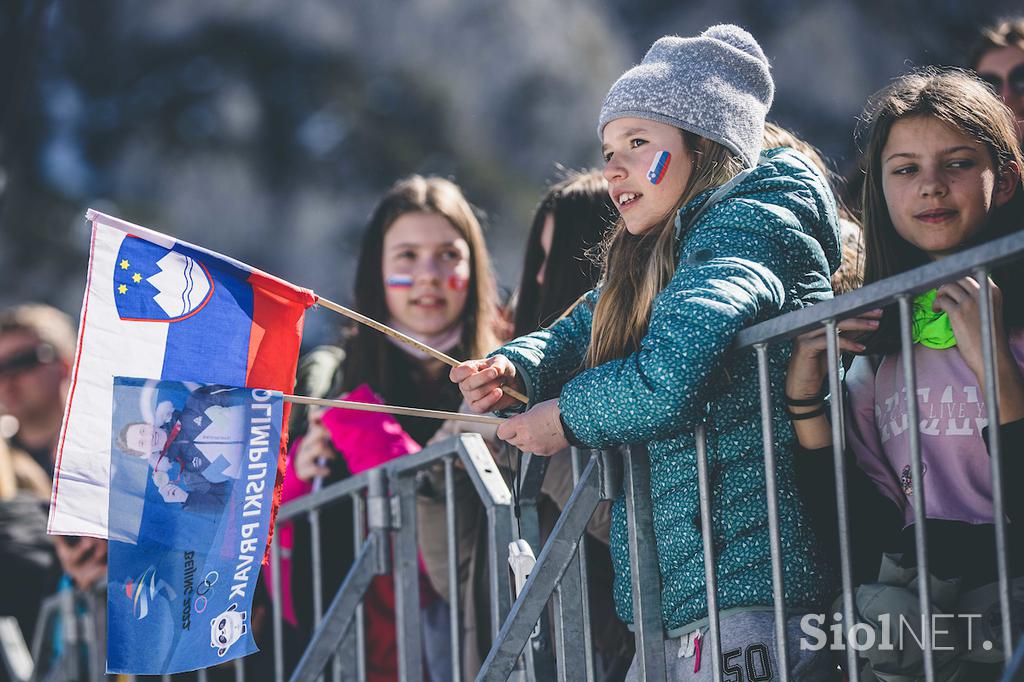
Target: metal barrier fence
557,554
384,502
388,513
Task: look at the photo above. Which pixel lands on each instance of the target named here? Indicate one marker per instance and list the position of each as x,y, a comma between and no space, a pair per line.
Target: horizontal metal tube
326,496
883,292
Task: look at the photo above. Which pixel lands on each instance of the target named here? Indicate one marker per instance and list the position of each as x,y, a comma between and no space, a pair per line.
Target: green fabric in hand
931,329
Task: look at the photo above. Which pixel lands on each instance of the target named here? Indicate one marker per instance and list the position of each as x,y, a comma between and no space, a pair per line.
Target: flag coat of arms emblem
162,309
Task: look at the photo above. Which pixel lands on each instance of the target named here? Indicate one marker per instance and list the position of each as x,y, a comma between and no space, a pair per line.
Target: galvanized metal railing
390,546
554,559
385,522
900,289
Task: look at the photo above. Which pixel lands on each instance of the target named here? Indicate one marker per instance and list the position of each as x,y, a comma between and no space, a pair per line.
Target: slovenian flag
162,309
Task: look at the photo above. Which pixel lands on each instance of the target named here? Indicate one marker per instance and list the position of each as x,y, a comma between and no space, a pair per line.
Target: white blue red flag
162,309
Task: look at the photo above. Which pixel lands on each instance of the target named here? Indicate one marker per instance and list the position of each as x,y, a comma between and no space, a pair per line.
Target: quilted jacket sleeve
726,279
547,358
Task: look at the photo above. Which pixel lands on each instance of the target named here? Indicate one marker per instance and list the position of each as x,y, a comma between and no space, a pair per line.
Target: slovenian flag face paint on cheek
659,166
399,282
458,283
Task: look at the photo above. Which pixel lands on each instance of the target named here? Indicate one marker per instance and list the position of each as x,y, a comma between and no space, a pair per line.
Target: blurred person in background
37,344
37,348
424,269
998,58
27,555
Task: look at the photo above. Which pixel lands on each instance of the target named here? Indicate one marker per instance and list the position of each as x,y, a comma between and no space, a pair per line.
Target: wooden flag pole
395,334
391,409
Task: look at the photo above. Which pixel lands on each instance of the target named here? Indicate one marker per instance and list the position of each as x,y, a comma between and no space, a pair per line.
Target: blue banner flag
191,488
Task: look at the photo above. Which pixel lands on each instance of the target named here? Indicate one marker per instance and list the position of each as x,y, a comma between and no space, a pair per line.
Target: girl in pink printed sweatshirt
943,173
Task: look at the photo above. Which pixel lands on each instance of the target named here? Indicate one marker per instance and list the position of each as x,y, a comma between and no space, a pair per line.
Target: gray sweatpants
748,653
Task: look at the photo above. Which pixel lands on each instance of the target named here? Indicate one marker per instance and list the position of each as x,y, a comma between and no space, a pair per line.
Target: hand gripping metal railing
900,289
558,559
388,543
385,516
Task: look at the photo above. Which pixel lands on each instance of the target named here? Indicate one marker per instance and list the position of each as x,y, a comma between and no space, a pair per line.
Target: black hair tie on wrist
797,416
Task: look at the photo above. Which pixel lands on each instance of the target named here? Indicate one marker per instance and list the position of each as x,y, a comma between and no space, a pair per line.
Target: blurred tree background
266,129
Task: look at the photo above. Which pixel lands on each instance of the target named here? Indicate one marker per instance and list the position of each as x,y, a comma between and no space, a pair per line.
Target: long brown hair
582,213
959,99
366,361
637,267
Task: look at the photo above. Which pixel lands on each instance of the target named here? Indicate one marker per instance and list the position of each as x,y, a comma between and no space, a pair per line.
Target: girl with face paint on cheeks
423,268
713,236
426,270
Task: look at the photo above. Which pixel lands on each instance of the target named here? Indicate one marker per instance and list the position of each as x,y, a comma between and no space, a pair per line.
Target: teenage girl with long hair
423,269
943,173
711,239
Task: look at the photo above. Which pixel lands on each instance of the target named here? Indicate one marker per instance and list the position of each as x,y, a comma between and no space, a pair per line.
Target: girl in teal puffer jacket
713,237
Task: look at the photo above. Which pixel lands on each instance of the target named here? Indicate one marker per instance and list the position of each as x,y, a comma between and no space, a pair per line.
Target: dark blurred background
266,129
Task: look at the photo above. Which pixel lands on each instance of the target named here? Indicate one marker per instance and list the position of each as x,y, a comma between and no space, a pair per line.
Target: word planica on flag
162,309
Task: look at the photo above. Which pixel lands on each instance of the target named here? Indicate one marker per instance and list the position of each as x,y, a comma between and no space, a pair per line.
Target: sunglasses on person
1015,79
43,354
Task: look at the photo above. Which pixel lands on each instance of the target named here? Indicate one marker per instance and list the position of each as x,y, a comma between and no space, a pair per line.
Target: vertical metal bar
98,609
318,585
552,563
359,526
201,675
370,562
643,564
835,388
988,349
914,437
588,639
707,534
768,439
539,655
315,560
499,521
68,660
453,568
239,670
407,584
275,572
87,624
570,657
